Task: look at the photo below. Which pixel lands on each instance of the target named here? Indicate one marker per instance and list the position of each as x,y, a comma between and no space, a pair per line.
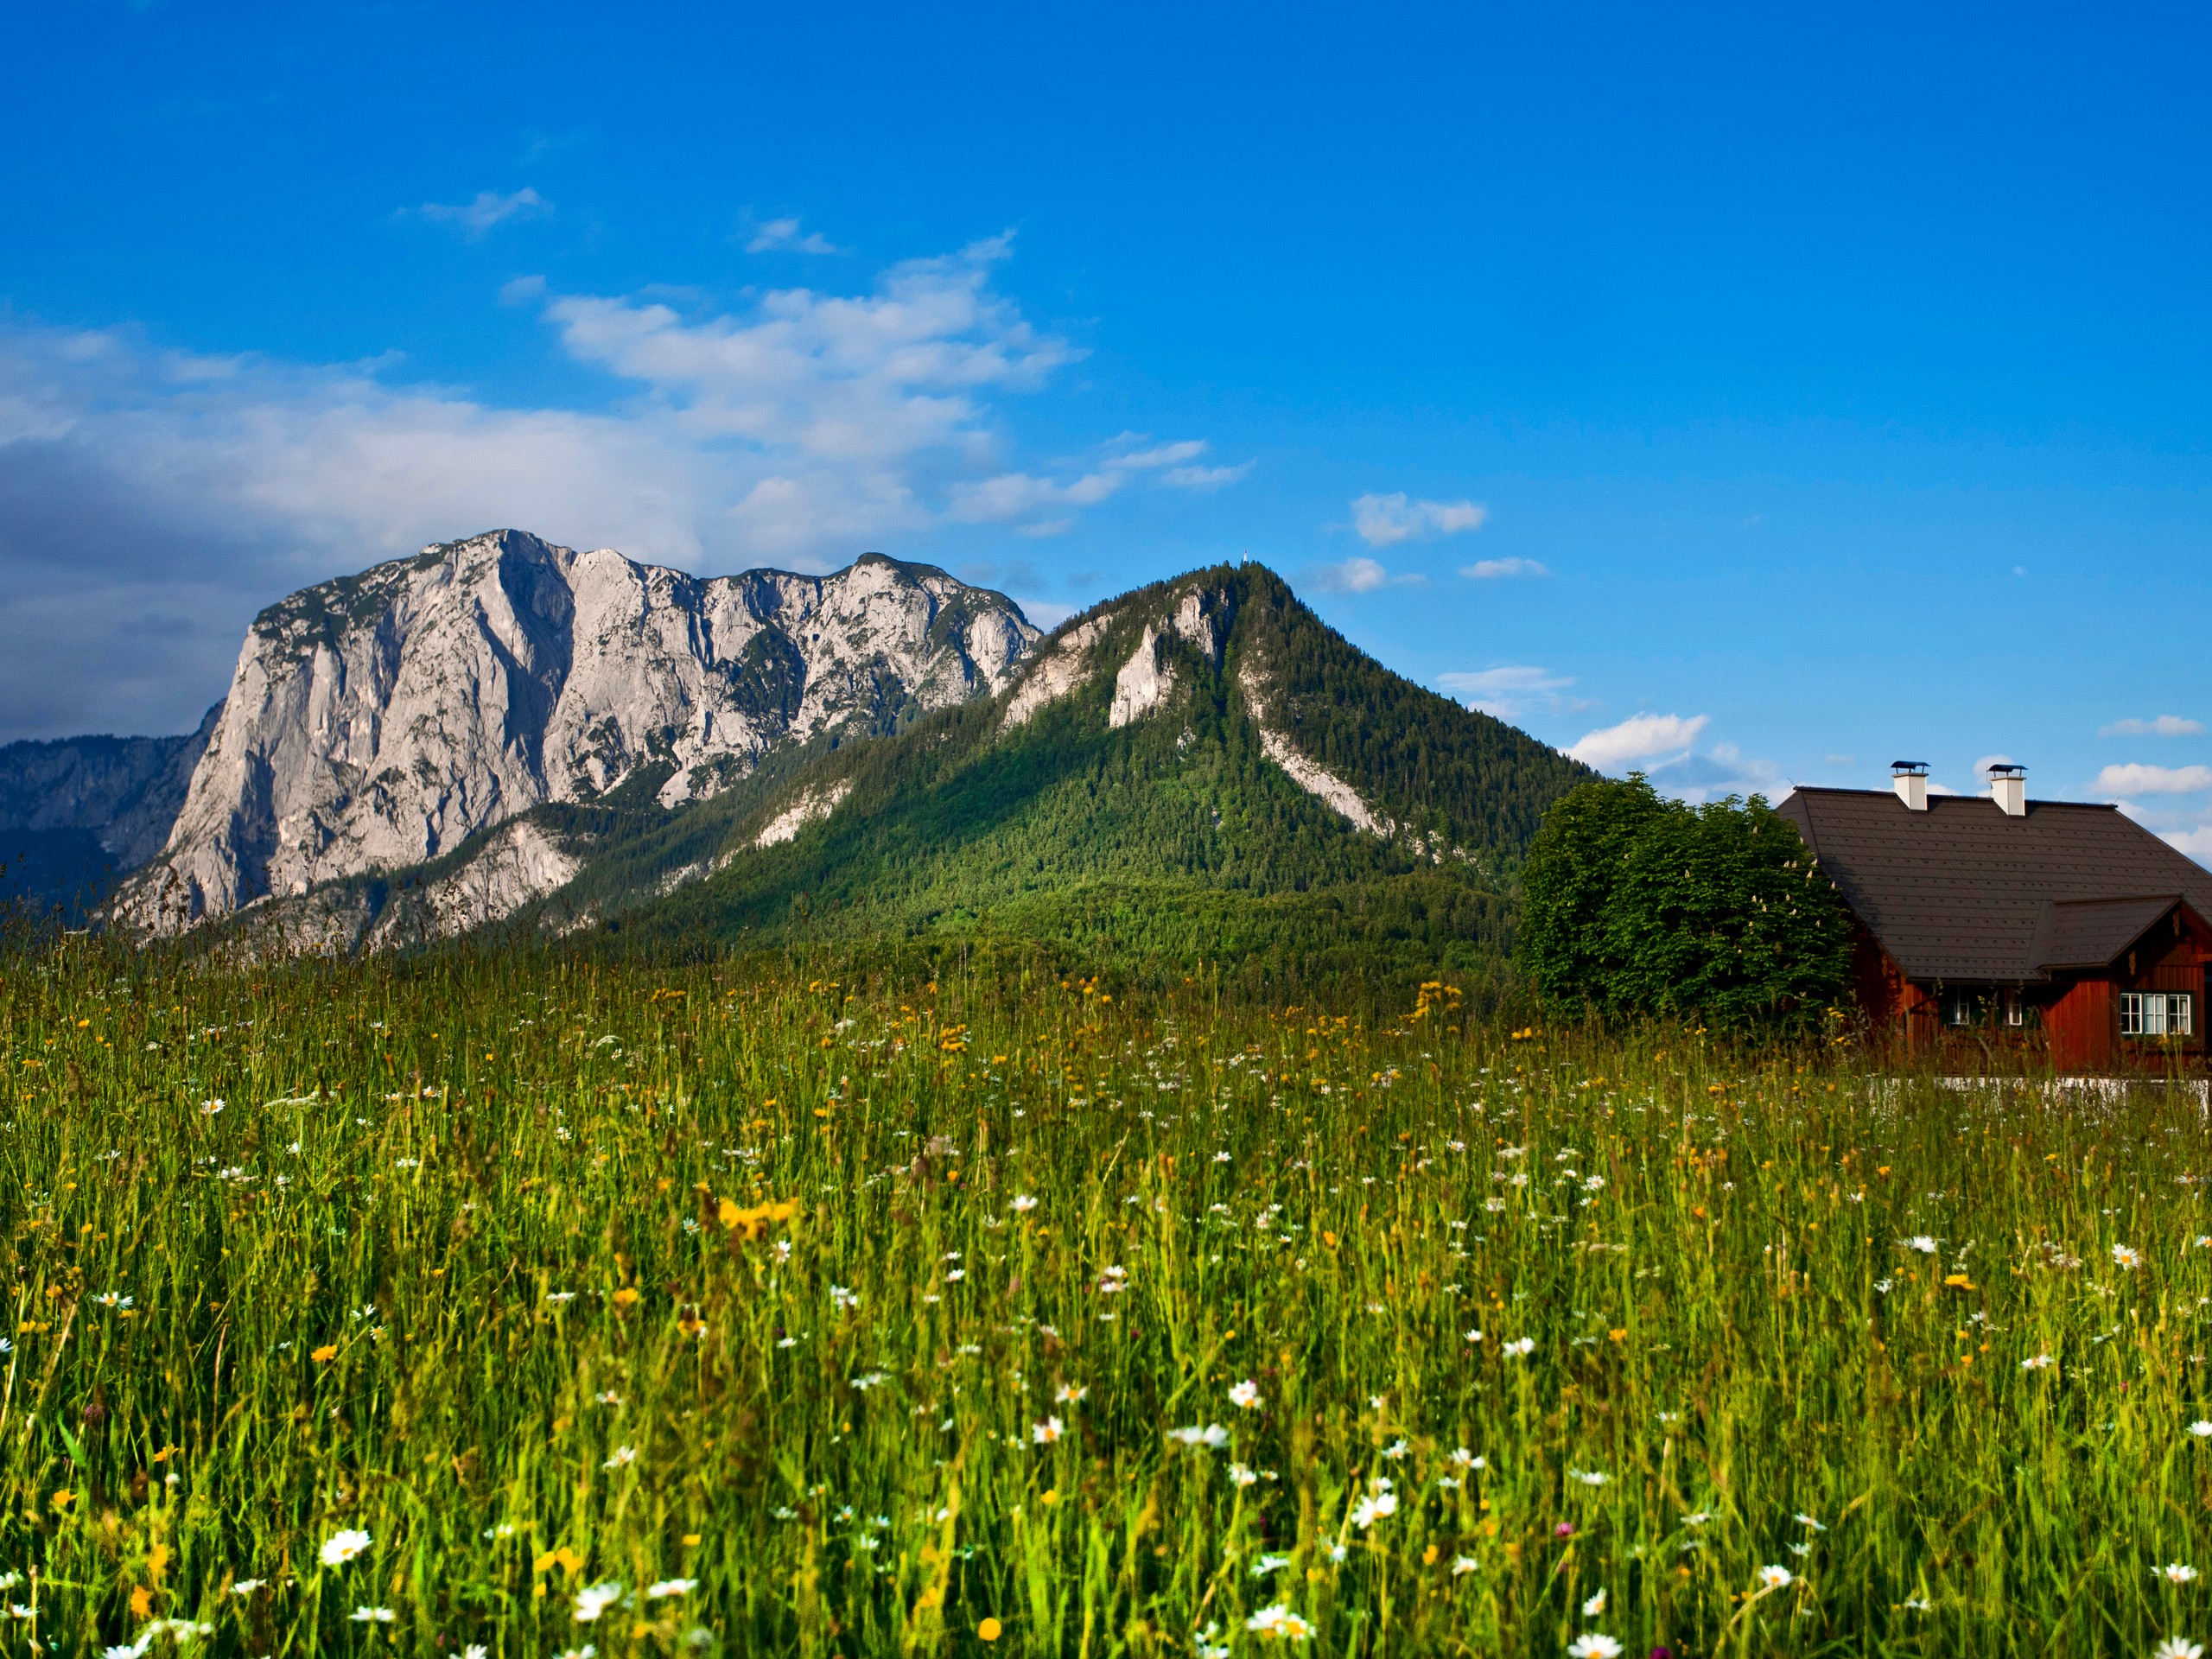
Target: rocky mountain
380,721
77,813
1201,767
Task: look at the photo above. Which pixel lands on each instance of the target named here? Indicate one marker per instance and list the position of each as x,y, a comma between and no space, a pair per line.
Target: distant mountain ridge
77,813
124,793
376,721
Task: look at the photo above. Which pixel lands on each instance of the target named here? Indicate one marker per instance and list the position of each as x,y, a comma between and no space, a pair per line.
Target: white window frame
2157,1014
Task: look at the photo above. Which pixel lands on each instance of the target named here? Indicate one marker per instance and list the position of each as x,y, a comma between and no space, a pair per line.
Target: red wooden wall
2084,1025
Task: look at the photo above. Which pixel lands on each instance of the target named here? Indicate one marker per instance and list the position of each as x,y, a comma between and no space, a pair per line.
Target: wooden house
2060,926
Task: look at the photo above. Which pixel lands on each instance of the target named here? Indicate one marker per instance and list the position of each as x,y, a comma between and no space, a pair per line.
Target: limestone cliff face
377,720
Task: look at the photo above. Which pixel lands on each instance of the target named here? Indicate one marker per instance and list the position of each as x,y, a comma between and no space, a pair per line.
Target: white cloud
1510,691
2162,725
1981,766
1496,569
1046,613
1357,575
2154,780
1664,748
1172,463
1165,454
2180,823
782,235
1384,520
489,209
1637,738
151,500
1721,770
1012,495
1204,478
2196,842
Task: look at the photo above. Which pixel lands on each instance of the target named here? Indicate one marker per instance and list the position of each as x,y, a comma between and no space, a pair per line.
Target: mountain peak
376,720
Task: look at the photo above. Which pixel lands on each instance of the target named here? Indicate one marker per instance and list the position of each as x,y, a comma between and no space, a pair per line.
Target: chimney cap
1908,768
2008,769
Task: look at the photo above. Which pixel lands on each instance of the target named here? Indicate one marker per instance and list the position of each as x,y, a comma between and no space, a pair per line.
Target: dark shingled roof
1964,893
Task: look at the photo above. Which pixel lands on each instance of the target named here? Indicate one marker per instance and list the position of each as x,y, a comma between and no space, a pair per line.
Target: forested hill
1202,767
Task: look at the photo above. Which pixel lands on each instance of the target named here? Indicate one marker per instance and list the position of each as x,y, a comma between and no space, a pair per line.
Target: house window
1962,1008
2156,1014
2013,1014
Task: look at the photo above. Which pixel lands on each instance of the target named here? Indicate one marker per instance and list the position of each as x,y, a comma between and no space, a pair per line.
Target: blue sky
1801,391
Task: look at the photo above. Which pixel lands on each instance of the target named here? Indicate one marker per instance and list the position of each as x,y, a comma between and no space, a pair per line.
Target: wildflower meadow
485,1305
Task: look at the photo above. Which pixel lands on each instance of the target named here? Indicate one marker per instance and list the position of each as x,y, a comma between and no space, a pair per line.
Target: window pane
2154,1015
2131,1013
2180,1015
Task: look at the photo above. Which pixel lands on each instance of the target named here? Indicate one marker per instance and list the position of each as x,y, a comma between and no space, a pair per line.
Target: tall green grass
766,1291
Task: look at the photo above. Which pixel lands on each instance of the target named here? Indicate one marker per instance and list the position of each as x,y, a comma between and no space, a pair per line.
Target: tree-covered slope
1150,806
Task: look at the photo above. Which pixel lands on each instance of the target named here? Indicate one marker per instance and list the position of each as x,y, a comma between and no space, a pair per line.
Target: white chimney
2008,787
1910,779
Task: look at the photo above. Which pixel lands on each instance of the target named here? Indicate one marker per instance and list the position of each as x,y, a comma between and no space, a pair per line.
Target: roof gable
1965,893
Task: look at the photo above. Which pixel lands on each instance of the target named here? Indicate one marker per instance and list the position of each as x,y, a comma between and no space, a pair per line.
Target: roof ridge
1884,795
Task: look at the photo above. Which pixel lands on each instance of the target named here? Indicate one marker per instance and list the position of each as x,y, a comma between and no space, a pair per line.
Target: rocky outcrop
1201,615
1309,775
811,806
1056,674
125,793
517,864
1142,683
377,721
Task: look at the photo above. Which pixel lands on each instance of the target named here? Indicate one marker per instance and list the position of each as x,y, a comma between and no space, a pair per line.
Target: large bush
1636,904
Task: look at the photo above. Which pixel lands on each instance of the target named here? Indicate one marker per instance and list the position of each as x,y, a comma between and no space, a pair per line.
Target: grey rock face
378,720
125,791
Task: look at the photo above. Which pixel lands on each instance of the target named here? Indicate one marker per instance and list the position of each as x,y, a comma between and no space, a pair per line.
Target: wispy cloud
784,236
152,500
1357,575
1639,737
1204,478
1499,570
2160,726
2196,842
1008,496
1046,613
1512,691
2154,780
488,210
1385,520
1705,775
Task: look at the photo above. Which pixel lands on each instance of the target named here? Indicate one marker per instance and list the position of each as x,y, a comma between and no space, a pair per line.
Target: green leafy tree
1574,867
1636,904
